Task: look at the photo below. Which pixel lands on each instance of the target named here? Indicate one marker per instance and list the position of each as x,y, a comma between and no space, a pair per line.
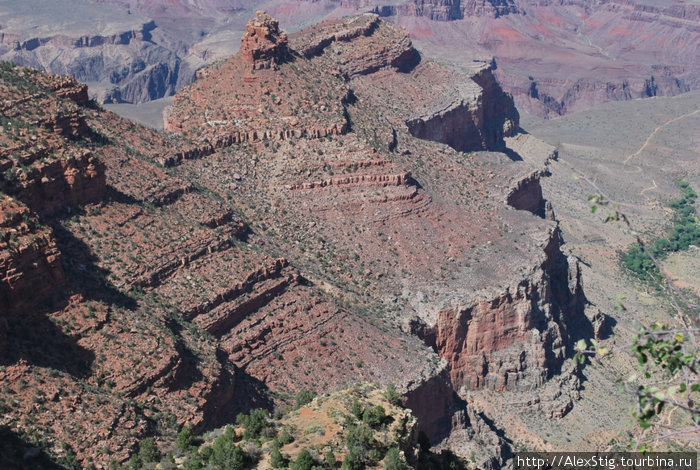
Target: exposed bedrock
384,46
263,45
439,10
471,122
551,97
48,187
526,195
130,66
518,338
447,419
433,402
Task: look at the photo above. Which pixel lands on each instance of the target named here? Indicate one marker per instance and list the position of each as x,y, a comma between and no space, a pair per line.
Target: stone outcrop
373,179
41,161
452,423
384,47
470,122
263,45
264,98
47,187
517,339
526,194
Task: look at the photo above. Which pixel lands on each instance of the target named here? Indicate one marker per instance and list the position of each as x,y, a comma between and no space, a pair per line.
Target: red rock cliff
263,44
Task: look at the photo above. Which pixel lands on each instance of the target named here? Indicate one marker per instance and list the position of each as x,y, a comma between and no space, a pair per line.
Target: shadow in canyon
83,274
34,338
19,454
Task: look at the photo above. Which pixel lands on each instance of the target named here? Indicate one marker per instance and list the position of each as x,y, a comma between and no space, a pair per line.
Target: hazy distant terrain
554,58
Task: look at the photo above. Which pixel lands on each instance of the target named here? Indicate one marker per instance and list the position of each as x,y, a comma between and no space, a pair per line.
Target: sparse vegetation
684,232
370,440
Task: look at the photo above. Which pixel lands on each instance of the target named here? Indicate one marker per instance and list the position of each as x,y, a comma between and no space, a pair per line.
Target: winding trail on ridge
657,129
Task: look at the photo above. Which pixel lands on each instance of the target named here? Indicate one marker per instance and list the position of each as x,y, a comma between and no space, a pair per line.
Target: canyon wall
470,120
437,10
517,339
30,262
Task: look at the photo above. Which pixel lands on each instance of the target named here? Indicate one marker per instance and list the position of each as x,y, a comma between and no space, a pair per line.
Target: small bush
374,417
148,450
254,423
186,439
392,395
394,460
304,397
304,461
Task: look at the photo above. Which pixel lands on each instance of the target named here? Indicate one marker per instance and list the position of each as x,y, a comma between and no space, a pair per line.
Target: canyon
323,208
555,58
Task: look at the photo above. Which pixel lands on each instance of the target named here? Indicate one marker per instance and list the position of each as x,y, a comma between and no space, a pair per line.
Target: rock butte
312,218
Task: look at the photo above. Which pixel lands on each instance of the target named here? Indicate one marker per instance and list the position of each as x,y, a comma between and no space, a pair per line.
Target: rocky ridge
385,180
441,10
215,273
151,264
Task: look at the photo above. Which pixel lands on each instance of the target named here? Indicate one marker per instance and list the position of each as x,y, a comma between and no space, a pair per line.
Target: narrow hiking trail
657,129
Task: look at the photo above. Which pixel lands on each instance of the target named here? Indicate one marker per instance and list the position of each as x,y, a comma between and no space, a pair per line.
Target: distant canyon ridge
554,57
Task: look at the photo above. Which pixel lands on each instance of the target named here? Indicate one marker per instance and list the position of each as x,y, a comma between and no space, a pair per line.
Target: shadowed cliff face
476,122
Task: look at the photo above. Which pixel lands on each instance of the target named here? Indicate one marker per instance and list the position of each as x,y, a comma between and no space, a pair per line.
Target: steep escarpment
515,340
382,47
440,10
470,120
288,232
404,229
551,96
30,262
526,194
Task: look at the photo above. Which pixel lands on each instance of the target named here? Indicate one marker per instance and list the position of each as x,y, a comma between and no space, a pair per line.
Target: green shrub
357,409
304,461
394,460
186,439
227,455
286,436
254,423
276,458
304,397
331,461
148,450
685,232
374,417
392,395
